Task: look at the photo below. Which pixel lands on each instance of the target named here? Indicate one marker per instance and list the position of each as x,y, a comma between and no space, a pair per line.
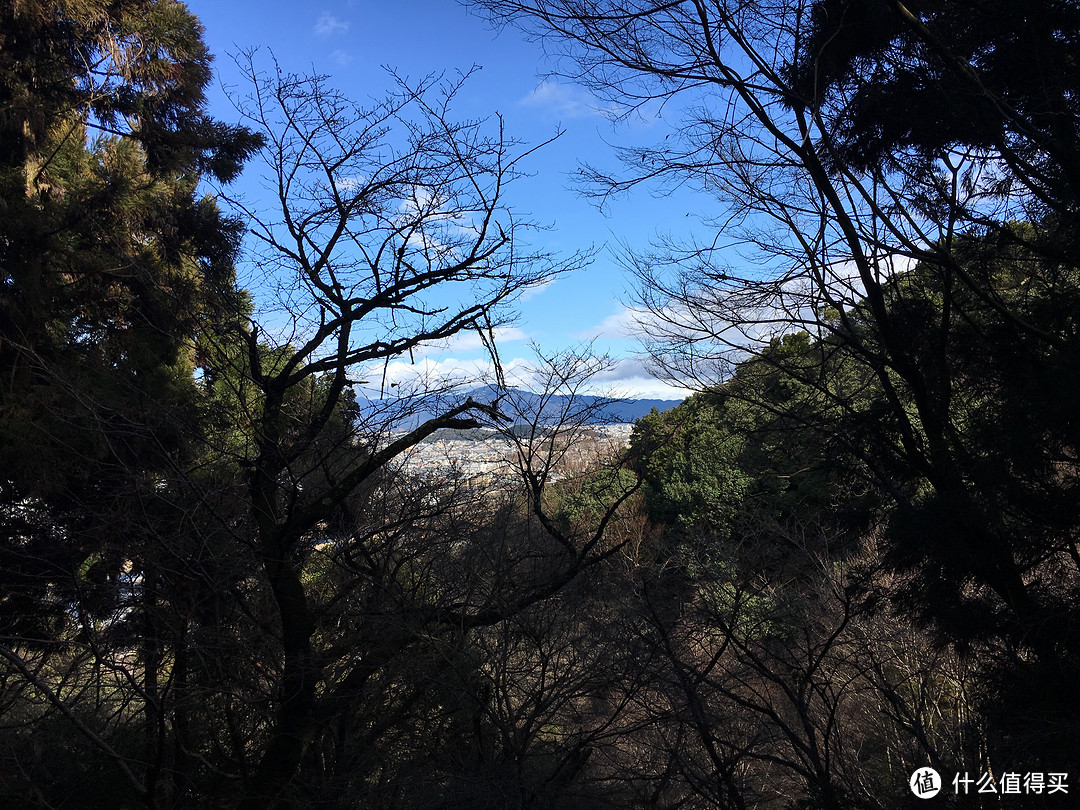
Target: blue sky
351,41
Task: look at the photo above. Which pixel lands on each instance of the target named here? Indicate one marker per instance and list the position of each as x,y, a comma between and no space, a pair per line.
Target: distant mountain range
525,406
551,407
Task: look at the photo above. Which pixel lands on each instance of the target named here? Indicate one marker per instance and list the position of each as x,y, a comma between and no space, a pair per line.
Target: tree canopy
900,180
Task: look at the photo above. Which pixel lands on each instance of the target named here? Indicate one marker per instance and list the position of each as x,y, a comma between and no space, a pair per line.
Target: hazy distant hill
618,411
526,405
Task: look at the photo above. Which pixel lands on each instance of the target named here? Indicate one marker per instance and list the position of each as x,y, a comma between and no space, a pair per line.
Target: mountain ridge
522,405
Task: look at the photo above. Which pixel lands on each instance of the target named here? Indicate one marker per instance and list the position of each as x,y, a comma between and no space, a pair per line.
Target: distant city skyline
350,42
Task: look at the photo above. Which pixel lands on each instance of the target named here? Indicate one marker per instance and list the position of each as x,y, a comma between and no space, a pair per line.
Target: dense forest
851,555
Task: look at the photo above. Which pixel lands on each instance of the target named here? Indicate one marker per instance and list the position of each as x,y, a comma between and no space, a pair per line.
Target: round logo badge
925,783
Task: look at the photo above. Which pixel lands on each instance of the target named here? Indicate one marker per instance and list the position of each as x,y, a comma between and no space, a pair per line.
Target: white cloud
349,185
625,323
328,25
341,58
535,290
565,101
470,341
433,226
402,377
628,378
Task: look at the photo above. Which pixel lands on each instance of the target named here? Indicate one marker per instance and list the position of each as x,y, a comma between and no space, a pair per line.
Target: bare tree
390,234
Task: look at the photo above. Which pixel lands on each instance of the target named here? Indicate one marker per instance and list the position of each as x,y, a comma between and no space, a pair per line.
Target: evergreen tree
112,264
